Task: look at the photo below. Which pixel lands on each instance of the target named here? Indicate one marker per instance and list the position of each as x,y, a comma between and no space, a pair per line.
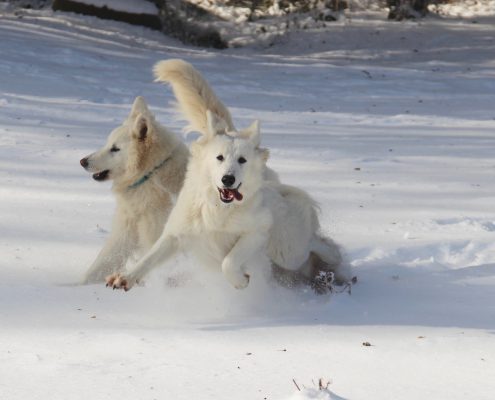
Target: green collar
144,178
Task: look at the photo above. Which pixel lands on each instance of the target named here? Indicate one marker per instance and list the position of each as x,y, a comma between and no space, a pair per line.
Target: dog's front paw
118,281
235,275
239,281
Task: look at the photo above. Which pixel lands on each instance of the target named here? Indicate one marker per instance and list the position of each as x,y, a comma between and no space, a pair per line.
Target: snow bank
129,6
240,26
465,8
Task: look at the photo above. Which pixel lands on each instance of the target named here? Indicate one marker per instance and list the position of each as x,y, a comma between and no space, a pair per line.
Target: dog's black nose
84,162
228,180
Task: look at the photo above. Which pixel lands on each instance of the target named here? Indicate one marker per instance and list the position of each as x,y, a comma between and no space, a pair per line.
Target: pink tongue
237,195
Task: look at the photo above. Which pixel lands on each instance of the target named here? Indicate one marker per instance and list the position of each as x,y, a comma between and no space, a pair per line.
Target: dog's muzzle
101,176
227,195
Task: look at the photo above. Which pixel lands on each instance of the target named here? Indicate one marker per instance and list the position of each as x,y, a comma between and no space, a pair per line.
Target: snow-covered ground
390,126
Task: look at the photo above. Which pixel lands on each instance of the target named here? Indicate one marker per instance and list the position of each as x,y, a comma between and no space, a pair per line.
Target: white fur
195,97
143,210
276,220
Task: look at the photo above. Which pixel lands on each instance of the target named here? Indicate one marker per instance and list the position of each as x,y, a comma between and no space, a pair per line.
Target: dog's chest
211,247
217,219
214,231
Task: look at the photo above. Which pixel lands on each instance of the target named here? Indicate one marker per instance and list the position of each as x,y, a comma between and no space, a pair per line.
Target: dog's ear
252,133
141,128
265,154
216,124
139,107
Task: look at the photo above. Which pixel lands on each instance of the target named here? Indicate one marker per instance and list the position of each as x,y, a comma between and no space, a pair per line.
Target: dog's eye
220,158
241,160
114,149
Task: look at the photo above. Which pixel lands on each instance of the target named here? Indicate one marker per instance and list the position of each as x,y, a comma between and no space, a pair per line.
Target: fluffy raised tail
193,94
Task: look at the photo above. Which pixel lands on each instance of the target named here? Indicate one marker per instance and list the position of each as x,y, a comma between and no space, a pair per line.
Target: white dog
147,164
229,211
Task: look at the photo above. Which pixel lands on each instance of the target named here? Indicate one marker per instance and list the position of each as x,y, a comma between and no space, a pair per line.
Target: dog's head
233,160
127,147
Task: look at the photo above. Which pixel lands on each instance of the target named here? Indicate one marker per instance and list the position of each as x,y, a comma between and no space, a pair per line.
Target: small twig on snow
323,386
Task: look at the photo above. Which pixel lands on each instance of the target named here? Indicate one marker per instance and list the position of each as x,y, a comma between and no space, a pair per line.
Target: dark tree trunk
180,19
407,9
151,21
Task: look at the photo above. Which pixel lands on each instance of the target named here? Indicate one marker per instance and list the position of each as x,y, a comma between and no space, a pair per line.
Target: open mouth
228,195
101,176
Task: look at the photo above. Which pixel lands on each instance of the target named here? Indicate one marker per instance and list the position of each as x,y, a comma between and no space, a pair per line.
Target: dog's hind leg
288,278
326,256
309,276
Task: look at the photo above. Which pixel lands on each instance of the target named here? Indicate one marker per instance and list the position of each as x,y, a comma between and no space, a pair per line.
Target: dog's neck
147,176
